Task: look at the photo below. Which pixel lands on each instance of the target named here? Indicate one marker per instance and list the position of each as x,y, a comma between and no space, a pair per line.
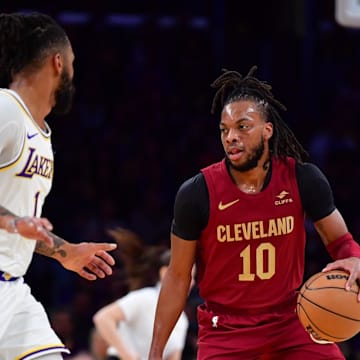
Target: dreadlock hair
232,86
25,41
141,262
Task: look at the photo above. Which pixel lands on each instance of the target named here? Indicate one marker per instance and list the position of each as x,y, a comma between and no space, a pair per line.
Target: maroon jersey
252,250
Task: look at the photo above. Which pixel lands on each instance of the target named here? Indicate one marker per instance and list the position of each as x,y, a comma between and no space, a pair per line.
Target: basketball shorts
274,335
25,331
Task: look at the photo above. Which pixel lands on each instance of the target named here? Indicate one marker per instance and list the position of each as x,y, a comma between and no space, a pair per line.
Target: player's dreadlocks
232,86
25,40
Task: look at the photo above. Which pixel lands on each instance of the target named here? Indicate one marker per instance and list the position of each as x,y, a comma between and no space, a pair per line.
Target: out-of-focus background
141,122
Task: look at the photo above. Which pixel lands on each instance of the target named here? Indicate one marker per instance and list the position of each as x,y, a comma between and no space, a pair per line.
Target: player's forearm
171,303
59,251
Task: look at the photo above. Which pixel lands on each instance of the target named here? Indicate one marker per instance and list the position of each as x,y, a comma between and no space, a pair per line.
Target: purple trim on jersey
48,350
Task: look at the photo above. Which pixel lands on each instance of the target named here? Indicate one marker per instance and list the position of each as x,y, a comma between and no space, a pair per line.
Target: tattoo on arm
40,247
43,249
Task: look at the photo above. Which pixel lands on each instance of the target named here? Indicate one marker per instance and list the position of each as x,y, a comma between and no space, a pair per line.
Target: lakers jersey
26,172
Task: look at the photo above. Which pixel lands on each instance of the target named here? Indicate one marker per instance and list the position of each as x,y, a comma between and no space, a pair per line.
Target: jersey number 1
36,202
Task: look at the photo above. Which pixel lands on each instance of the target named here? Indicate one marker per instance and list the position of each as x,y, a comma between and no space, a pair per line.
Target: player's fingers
26,222
41,230
105,257
96,267
350,281
333,266
32,228
105,246
46,224
87,275
103,262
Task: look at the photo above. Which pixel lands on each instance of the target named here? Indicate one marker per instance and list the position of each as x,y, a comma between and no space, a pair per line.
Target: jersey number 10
264,249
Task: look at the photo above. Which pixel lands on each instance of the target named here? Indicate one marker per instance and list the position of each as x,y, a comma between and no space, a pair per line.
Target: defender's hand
90,260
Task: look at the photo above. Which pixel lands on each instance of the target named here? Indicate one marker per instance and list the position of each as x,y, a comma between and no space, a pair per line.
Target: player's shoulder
6,97
8,103
308,170
193,184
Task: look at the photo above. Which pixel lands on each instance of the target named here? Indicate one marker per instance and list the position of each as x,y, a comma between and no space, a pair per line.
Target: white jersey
139,308
26,173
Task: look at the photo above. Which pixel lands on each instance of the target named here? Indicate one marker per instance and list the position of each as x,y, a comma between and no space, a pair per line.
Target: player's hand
31,228
90,260
351,265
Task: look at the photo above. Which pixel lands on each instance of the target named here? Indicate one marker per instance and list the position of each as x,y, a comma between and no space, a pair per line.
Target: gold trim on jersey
43,350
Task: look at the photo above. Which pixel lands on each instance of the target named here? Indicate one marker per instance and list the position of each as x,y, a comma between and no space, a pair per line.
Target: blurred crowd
141,124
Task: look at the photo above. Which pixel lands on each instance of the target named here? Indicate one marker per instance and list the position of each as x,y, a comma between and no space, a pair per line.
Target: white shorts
25,331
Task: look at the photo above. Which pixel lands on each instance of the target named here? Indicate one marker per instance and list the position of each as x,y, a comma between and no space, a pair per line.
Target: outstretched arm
340,245
28,227
89,260
173,294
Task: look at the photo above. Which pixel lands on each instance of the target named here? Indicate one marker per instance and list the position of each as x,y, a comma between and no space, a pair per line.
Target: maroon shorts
274,335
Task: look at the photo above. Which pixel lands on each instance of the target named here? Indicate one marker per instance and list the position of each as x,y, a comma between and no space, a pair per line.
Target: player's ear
268,130
58,62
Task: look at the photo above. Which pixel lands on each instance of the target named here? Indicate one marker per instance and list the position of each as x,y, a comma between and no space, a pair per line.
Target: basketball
327,311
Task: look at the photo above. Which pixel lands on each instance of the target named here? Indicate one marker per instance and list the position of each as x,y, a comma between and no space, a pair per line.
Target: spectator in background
127,323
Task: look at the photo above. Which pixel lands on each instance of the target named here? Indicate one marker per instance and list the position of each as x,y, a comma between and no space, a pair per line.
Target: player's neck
251,181
33,97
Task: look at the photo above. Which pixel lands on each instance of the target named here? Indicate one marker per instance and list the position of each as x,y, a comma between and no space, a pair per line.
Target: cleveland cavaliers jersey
252,250
25,179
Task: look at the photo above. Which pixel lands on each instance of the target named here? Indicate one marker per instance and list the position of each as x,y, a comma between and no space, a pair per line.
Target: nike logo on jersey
30,136
222,206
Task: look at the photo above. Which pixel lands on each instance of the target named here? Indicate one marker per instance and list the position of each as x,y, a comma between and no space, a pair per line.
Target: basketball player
36,72
242,221
127,323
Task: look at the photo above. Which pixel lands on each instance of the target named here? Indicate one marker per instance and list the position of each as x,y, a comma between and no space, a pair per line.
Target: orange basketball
326,310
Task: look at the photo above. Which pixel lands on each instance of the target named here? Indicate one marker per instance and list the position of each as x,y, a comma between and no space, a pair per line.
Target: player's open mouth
234,154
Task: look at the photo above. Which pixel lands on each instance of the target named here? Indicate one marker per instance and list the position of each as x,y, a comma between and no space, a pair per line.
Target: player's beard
64,95
252,159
